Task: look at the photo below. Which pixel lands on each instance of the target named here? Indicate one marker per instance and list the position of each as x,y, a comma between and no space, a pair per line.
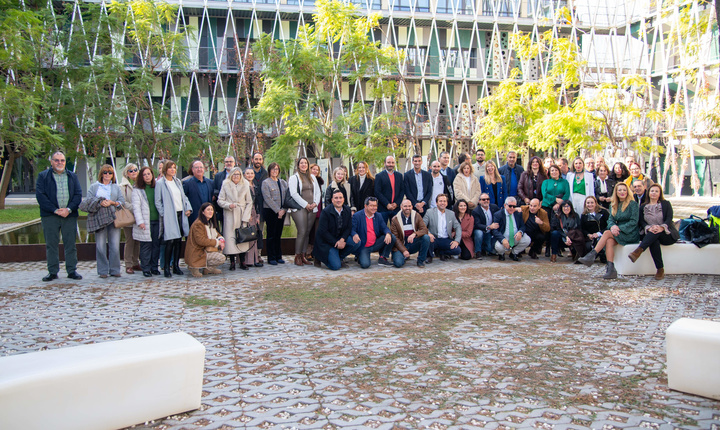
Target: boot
305,260
635,254
610,272
589,258
195,272
660,274
166,263
232,262
553,258
176,263
213,271
241,260
298,260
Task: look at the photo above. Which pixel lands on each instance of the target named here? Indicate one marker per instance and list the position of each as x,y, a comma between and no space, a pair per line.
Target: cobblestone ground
456,345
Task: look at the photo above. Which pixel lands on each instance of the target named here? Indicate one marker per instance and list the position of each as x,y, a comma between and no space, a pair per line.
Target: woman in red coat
467,223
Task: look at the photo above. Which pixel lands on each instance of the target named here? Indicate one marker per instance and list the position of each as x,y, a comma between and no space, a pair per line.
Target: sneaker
384,262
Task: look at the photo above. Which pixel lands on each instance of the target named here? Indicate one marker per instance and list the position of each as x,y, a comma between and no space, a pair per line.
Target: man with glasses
198,189
484,225
58,194
510,234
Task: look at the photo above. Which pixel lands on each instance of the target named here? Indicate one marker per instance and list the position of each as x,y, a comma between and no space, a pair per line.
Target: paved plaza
457,345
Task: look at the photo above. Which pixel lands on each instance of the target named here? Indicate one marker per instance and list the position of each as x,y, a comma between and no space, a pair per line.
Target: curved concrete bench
679,259
106,385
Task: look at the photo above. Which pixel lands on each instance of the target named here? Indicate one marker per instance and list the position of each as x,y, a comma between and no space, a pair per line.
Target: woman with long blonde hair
622,229
492,184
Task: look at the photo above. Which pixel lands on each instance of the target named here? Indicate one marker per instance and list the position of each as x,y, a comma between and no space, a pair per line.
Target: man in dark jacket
510,234
389,189
332,240
418,186
371,233
482,230
59,194
198,189
510,173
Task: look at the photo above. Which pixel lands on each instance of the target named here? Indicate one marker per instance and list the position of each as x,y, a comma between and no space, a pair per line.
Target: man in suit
440,185
389,189
332,239
482,231
418,186
445,168
58,194
441,224
510,234
371,234
639,191
410,234
198,189
510,173
537,225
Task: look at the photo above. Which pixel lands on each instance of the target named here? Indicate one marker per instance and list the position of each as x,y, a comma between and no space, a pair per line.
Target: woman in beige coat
467,186
237,204
132,246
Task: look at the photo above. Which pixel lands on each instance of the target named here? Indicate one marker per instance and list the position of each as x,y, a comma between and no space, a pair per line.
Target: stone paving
495,344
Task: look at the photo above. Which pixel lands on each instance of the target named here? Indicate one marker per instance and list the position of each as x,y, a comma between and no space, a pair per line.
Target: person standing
582,183
445,168
260,175
389,189
418,186
362,186
440,184
303,188
603,186
531,180
274,190
479,166
107,237
132,247
198,189
146,230
319,182
466,186
228,165
59,194
252,256
511,172
236,201
493,184
174,209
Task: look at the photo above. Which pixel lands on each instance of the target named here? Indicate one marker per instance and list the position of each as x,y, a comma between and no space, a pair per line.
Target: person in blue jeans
332,239
370,231
411,235
482,230
444,230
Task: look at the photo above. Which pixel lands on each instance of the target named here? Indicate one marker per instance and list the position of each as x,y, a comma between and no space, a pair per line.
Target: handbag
685,223
289,202
124,218
246,234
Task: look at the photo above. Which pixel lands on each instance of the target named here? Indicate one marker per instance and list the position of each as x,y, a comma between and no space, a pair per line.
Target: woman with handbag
107,239
132,247
146,230
275,196
204,244
303,188
252,256
315,171
174,208
565,228
236,201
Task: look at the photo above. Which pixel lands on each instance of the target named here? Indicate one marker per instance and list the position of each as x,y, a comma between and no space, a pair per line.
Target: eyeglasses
229,161
131,171
58,161
482,200
511,206
107,172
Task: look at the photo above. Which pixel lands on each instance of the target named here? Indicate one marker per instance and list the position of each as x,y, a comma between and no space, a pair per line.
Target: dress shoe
177,271
147,274
501,257
129,270
660,274
420,264
116,275
243,266
533,255
281,261
317,263
155,272
137,267
514,257
74,275
428,260
168,273
553,258
258,264
49,277
103,276
272,262
478,256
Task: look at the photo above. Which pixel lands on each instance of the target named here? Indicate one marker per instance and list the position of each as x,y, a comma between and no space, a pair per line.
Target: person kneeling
510,234
368,228
410,234
441,223
332,238
204,244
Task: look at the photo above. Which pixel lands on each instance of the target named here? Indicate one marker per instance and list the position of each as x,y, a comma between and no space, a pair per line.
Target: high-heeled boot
232,262
166,263
241,260
176,263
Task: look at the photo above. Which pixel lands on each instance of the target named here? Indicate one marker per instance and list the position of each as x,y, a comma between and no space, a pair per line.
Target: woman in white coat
237,204
174,209
582,183
304,189
146,230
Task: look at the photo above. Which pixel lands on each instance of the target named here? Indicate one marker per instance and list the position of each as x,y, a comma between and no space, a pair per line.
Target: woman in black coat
565,230
656,228
593,223
358,193
604,186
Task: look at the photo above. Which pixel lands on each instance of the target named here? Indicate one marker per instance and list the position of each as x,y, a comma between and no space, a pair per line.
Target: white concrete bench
106,385
679,259
693,357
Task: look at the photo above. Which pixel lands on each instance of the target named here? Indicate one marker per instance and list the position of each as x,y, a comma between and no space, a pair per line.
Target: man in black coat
419,197
389,192
332,240
482,230
510,234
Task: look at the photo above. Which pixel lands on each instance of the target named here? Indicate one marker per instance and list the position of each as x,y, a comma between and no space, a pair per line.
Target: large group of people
472,211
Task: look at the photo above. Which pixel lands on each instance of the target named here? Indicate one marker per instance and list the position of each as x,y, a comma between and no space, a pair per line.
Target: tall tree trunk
7,173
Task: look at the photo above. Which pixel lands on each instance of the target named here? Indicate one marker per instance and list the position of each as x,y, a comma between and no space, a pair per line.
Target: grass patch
195,301
19,213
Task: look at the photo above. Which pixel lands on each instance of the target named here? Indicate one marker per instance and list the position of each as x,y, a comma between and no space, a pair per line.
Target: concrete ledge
693,357
106,385
679,259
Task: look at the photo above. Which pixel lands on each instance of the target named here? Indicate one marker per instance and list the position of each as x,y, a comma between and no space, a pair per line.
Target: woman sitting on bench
656,227
622,229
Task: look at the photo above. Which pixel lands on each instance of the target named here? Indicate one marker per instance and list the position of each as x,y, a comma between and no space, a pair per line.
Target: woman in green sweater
555,190
622,228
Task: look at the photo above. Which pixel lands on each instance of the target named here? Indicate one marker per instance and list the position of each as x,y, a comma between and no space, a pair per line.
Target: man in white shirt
444,230
479,166
440,184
